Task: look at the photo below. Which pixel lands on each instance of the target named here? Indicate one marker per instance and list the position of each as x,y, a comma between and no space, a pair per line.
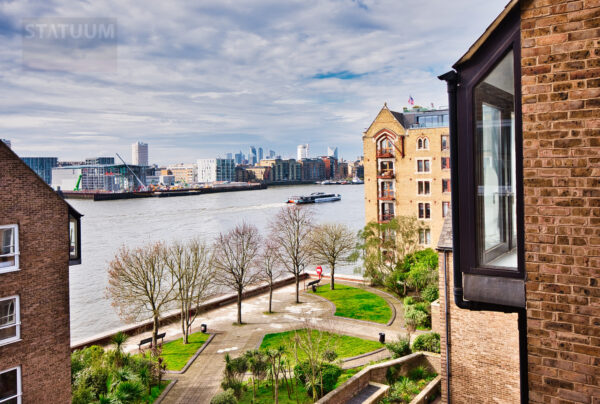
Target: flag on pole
411,101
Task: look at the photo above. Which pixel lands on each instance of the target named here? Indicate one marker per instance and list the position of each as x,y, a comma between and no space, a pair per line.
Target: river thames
108,225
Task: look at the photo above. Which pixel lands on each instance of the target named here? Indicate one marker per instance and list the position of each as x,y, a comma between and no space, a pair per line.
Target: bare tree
269,258
234,260
138,284
189,265
332,244
291,228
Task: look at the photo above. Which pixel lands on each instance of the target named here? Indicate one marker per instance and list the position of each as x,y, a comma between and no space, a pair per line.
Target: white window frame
425,238
424,180
15,267
447,136
424,210
17,323
19,387
417,166
445,203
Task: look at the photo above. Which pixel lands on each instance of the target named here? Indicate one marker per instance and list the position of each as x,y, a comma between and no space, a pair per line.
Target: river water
108,225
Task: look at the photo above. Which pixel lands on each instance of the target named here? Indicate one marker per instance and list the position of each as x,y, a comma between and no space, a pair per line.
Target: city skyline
201,88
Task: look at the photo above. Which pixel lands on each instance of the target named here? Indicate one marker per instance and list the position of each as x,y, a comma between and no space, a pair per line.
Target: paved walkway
203,378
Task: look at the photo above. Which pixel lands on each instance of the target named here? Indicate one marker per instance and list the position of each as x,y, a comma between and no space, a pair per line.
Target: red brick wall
484,351
42,283
561,147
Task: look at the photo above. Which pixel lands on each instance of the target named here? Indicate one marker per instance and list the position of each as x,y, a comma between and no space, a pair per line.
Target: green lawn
357,303
344,345
264,394
176,354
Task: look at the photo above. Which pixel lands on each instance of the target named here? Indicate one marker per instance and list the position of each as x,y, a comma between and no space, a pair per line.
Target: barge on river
315,197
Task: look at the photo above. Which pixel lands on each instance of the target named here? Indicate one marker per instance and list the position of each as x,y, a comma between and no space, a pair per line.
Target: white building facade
302,152
139,154
212,170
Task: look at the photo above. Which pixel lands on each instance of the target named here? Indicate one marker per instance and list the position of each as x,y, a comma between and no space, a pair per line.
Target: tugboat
315,197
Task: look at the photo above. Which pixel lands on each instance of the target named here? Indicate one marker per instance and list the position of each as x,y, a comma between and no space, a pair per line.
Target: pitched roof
445,241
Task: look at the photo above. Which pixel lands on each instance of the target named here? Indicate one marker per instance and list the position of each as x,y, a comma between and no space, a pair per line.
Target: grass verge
176,354
357,303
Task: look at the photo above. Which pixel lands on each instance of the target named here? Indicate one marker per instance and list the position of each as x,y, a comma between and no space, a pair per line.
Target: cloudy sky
199,80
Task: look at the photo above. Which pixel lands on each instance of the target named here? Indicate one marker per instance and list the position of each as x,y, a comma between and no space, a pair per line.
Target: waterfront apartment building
213,170
42,166
184,173
521,285
39,239
302,152
139,154
313,169
283,170
407,169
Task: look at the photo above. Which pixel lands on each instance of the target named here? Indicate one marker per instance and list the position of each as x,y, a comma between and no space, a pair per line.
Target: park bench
149,340
314,284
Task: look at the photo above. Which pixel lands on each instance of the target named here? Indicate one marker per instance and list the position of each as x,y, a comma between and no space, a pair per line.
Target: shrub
420,373
93,378
414,317
329,355
409,300
399,348
82,395
427,342
431,293
225,397
329,372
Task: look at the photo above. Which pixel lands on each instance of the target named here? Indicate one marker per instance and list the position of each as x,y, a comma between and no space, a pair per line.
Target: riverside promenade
202,379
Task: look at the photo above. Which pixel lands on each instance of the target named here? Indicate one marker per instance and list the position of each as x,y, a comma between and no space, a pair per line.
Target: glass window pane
8,384
73,238
496,167
7,245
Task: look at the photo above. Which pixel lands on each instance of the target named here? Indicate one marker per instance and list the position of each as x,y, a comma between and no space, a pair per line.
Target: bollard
314,288
203,328
382,337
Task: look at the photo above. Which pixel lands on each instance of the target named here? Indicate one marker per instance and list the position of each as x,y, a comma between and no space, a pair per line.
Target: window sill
10,341
9,269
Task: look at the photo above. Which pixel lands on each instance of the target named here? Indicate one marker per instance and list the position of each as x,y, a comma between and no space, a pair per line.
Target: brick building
39,239
407,168
523,295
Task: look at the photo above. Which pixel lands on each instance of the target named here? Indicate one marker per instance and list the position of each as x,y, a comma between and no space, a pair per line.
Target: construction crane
142,185
78,183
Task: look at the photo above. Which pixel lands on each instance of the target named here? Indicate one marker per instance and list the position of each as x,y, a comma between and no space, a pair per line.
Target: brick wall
484,351
561,147
42,283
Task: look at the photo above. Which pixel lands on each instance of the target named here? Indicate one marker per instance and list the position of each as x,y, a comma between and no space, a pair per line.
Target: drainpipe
447,314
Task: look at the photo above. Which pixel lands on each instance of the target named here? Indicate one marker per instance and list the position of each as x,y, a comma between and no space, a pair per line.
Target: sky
201,80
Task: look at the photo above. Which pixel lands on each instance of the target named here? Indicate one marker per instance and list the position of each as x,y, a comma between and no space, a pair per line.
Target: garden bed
179,356
357,303
345,346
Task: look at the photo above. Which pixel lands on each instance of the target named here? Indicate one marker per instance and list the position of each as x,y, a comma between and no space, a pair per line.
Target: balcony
385,174
385,154
386,195
385,217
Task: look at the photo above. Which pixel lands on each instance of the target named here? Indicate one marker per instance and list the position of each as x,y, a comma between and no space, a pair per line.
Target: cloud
199,80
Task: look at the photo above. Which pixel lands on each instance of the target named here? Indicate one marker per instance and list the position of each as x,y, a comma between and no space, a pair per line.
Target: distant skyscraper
229,156
260,153
239,157
302,151
271,154
252,155
6,142
332,152
139,154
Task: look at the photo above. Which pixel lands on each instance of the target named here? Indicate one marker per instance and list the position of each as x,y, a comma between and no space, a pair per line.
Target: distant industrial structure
99,177
100,160
42,166
139,154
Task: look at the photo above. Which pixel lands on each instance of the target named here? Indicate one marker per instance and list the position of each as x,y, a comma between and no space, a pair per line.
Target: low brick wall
377,373
174,316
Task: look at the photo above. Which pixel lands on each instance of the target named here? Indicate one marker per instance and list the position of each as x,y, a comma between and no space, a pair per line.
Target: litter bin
314,288
203,328
382,337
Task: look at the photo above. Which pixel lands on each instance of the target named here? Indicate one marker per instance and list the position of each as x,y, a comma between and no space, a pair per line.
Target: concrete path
203,378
